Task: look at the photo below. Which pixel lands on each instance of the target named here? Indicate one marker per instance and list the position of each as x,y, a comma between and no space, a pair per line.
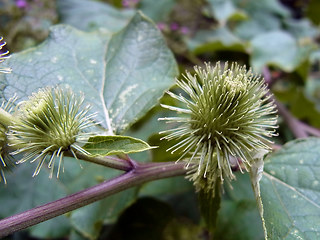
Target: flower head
3,55
51,123
6,161
227,119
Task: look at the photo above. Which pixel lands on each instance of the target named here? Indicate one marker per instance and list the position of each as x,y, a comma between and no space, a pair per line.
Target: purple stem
141,174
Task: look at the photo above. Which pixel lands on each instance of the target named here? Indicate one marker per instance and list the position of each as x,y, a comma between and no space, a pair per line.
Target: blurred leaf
224,10
312,11
276,48
89,219
24,192
53,228
121,78
312,91
74,235
290,191
112,145
301,28
260,22
165,187
88,15
144,220
269,6
157,10
238,217
183,229
299,104
215,40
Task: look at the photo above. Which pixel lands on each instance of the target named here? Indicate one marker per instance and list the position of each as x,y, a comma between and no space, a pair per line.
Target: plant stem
112,162
141,174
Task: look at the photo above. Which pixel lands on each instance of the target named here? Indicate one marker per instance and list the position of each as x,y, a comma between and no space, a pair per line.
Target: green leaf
312,91
112,145
89,220
238,217
24,192
166,187
214,40
290,191
312,11
259,23
99,15
224,10
157,10
301,29
275,48
122,76
140,68
301,104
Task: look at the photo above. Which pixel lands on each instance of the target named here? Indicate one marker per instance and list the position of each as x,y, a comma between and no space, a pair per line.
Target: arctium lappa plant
226,123
5,159
51,123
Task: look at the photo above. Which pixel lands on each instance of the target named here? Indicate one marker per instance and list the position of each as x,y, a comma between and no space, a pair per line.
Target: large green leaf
140,67
89,15
112,145
290,191
278,48
122,76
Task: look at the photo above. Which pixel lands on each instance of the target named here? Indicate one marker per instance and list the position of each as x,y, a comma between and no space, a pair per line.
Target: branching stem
141,174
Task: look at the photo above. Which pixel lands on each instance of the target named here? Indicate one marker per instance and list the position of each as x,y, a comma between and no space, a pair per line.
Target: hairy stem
141,174
112,162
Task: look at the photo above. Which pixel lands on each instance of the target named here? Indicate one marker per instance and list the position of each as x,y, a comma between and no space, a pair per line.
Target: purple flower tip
174,26
21,3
